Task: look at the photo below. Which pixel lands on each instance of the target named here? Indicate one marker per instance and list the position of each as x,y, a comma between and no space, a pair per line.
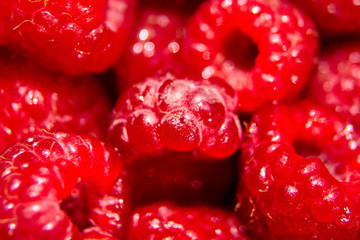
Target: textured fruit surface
74,37
155,45
336,81
33,100
283,38
97,211
300,176
40,172
165,124
166,220
176,114
333,18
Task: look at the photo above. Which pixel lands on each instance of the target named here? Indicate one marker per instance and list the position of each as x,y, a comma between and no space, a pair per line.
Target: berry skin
333,18
336,81
96,210
166,220
285,39
300,176
37,174
155,45
176,114
165,125
75,37
33,100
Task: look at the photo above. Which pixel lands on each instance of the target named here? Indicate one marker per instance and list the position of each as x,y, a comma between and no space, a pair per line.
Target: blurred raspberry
33,100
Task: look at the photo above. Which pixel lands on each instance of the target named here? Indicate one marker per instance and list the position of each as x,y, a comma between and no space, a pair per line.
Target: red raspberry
285,39
333,17
74,37
33,100
165,220
300,176
90,205
336,81
177,123
155,45
39,173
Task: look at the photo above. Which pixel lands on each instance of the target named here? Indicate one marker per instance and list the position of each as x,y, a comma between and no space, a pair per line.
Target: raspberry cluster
179,119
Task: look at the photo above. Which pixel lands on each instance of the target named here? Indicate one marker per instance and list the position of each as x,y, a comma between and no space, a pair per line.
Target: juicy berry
300,176
166,124
98,211
155,45
336,81
75,37
166,220
333,18
285,45
33,100
37,174
176,114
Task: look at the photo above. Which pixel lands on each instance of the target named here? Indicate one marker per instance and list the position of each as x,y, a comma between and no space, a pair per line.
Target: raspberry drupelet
75,37
282,38
33,100
166,220
177,134
300,176
336,81
37,174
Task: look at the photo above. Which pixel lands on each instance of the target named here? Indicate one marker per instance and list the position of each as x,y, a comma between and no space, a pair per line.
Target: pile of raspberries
179,119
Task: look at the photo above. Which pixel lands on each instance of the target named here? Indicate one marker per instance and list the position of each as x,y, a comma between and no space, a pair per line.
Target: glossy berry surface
100,211
166,220
300,175
33,100
336,81
165,112
40,172
75,37
176,135
156,45
285,44
334,18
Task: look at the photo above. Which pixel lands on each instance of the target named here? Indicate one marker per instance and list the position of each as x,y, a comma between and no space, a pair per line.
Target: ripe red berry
37,174
74,37
166,220
155,45
282,35
166,124
33,100
333,18
101,210
300,176
336,81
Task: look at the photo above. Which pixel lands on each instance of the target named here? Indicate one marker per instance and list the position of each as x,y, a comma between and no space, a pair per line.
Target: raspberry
300,176
155,45
74,37
285,39
336,81
40,172
166,220
109,208
166,124
33,100
333,18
